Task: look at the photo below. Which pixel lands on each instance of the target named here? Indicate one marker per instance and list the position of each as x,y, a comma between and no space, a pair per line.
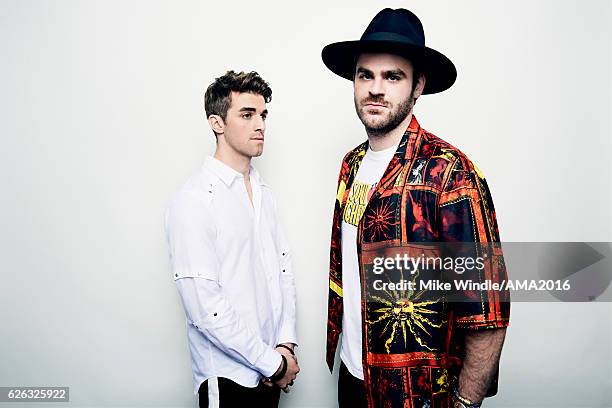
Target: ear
216,124
418,90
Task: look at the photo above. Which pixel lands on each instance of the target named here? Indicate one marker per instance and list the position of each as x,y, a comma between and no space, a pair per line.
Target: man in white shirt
230,261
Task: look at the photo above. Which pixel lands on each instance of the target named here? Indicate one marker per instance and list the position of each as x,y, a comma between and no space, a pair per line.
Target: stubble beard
252,151
394,119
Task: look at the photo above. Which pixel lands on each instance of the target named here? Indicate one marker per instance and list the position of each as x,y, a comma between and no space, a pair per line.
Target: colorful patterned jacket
430,192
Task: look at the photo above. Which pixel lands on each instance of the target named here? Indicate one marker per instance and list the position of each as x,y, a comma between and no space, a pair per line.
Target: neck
384,141
233,159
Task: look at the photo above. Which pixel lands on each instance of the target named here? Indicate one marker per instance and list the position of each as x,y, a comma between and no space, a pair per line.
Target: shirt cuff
287,334
269,362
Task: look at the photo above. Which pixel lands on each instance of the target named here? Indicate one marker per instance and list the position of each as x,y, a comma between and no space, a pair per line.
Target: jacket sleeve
468,224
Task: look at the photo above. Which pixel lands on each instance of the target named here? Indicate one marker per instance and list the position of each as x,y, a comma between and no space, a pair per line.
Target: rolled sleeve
190,235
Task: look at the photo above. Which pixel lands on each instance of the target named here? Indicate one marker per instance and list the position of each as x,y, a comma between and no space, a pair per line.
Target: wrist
287,347
460,401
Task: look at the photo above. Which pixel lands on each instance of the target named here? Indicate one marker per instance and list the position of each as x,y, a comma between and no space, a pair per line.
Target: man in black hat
398,191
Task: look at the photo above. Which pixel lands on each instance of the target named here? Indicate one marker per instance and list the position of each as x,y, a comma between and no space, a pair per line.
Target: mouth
374,105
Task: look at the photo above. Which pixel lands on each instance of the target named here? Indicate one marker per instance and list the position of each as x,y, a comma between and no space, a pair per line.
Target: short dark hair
217,98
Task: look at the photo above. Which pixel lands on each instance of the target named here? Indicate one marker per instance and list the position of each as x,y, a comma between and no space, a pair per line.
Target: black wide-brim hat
398,32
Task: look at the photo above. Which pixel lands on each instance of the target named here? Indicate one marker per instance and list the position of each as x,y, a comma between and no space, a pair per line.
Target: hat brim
439,71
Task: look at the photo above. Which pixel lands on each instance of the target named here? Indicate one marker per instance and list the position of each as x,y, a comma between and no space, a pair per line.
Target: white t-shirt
369,174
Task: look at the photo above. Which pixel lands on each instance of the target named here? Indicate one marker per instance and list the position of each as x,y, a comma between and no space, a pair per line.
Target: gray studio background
102,119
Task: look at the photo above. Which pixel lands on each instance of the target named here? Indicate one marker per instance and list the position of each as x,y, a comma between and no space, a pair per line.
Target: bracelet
282,371
462,401
286,347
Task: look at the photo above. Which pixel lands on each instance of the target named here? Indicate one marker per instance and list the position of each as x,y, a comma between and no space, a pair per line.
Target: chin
374,124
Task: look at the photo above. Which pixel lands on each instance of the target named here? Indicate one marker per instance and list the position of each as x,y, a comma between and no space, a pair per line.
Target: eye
393,78
363,75
247,115
264,117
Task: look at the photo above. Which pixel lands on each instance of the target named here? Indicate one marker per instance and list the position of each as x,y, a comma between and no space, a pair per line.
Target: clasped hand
292,370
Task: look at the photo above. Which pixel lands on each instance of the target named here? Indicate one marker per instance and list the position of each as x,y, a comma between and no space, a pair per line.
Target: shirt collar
414,124
257,176
227,174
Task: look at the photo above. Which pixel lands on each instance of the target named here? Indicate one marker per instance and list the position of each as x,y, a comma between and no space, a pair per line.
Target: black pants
351,390
232,395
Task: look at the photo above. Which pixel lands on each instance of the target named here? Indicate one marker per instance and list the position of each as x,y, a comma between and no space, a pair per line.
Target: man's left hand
288,355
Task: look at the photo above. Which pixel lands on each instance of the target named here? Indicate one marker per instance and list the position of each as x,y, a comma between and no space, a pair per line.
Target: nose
377,87
260,124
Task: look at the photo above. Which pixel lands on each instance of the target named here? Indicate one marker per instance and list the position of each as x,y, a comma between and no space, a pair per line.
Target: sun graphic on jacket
404,311
380,221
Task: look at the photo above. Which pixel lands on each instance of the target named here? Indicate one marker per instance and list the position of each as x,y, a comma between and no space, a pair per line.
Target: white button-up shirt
232,268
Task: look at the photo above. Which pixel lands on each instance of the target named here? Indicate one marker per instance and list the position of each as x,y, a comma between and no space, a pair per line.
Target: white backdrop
102,119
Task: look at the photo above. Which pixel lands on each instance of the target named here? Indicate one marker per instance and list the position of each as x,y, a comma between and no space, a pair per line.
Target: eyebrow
363,70
249,109
397,72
